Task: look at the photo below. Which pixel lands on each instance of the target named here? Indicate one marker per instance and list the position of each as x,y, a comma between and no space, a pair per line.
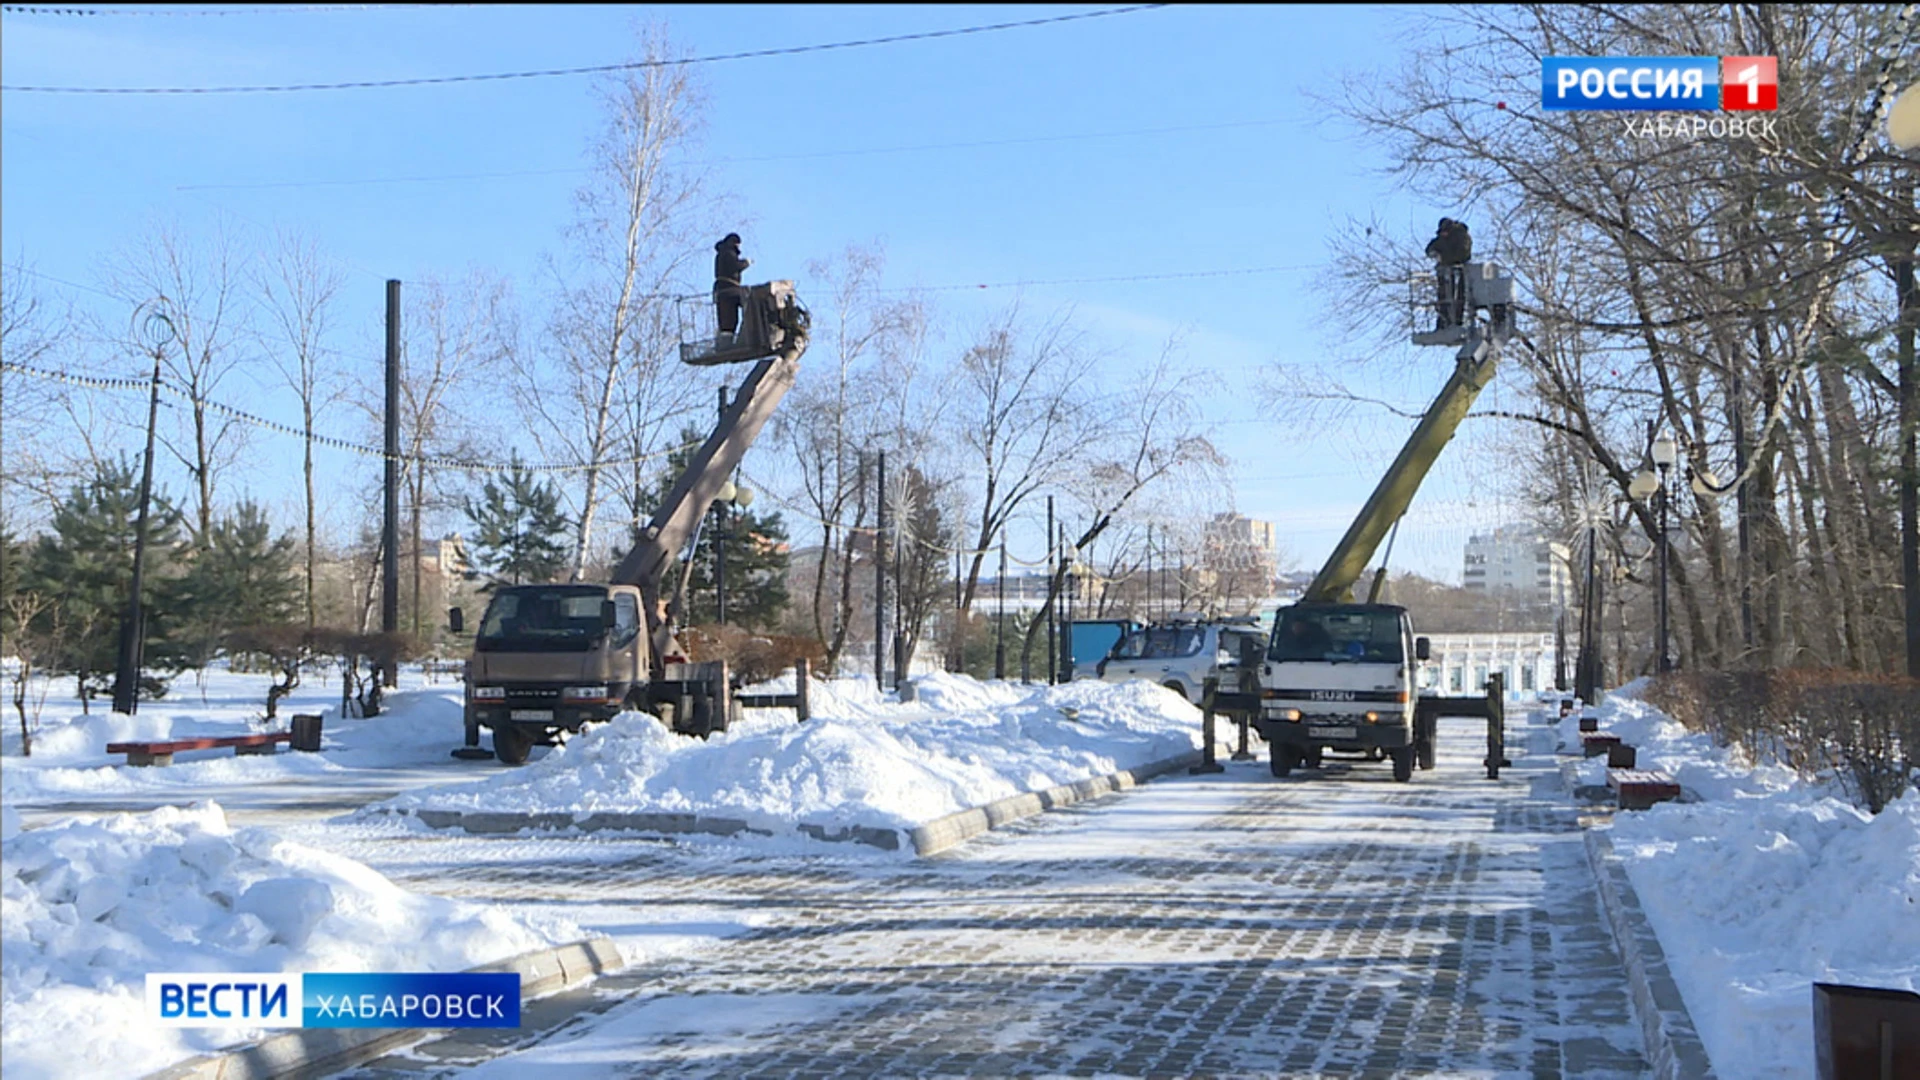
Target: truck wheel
1284,759
1176,688
511,745
1423,750
1402,763
1311,759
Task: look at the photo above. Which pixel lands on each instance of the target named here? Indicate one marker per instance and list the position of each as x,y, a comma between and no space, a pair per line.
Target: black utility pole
1053,600
1000,617
390,526
1585,669
133,638
720,524
1665,663
880,580
1909,475
1068,561
900,606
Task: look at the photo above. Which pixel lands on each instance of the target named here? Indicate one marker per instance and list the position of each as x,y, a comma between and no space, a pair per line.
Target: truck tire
1423,750
511,745
1402,763
1175,686
1284,759
1312,758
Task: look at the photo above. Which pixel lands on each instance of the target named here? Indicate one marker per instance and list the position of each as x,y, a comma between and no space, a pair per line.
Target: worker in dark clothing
727,289
1450,249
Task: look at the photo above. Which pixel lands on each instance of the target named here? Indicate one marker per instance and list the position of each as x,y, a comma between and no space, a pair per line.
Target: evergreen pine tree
756,553
85,567
241,577
520,533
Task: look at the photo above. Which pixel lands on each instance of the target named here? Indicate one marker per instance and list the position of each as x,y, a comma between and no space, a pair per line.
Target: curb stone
942,833
935,836
314,1052
1673,1043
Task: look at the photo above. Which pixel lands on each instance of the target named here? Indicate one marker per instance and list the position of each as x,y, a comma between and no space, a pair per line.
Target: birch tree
196,288
608,383
298,287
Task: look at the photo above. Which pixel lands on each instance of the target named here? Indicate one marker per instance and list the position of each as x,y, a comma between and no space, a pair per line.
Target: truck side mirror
456,622
608,614
1422,649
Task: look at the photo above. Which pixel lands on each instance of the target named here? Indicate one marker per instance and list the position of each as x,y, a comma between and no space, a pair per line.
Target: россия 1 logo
1660,83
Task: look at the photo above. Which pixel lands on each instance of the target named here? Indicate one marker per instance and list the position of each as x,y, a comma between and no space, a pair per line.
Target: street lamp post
157,331
1648,481
731,495
1665,453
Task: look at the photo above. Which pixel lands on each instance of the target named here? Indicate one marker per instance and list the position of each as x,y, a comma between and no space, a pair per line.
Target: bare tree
1735,293
1021,415
196,288
858,398
1152,433
298,287
609,382
29,332
458,335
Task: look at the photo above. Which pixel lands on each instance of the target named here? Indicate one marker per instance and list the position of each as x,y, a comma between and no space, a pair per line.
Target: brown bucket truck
549,659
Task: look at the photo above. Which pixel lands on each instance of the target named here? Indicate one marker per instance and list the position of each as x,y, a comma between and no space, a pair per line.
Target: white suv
1182,655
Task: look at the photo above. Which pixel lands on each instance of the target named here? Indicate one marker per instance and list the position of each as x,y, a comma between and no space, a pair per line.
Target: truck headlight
587,693
489,693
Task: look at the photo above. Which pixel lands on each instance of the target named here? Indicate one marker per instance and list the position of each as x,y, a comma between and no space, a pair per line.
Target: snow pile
89,908
1704,769
1765,886
861,760
70,760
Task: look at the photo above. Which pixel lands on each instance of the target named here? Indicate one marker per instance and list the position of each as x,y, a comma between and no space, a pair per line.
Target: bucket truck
549,659
1340,674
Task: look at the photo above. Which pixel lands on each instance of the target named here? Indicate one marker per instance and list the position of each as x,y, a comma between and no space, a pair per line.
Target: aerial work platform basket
771,322
1454,296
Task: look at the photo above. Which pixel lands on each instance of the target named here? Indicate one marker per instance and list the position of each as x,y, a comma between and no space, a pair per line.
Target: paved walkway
1329,925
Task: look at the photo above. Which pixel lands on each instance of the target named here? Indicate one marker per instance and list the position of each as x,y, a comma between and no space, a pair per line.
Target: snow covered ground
1764,886
89,908
95,899
861,760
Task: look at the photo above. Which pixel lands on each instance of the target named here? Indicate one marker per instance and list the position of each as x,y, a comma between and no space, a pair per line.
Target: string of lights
595,69
433,461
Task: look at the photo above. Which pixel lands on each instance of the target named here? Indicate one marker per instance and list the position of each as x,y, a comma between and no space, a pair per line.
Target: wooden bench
1598,743
1639,789
161,753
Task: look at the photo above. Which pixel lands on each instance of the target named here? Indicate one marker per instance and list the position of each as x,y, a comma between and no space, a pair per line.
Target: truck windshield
1160,644
545,618
1336,635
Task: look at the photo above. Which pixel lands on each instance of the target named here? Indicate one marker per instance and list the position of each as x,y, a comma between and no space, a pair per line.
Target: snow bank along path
1761,888
87,909
862,766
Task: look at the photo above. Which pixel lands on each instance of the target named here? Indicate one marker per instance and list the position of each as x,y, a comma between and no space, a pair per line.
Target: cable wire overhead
596,69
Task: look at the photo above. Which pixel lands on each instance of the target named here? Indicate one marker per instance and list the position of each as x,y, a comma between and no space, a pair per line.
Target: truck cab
551,658
1342,677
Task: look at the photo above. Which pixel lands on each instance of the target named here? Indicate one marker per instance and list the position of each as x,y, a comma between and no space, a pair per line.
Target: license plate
530,714
1333,732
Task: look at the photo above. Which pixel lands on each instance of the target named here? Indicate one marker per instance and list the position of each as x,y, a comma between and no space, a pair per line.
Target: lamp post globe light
155,332
1665,453
729,496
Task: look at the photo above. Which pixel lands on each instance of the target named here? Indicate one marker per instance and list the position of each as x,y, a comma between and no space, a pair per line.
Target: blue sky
1256,175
